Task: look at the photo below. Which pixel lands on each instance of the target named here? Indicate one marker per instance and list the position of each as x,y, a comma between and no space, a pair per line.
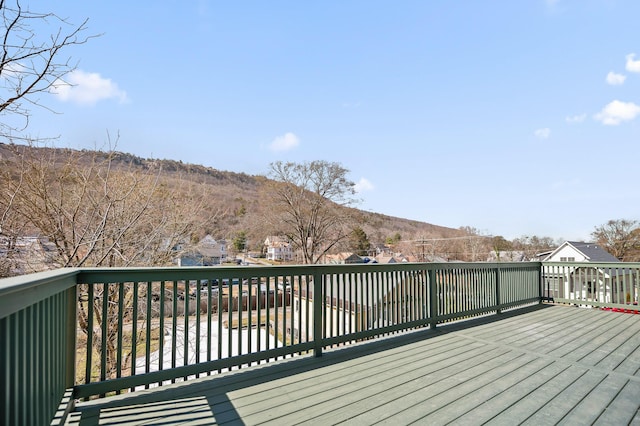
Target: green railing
83,333
37,346
614,286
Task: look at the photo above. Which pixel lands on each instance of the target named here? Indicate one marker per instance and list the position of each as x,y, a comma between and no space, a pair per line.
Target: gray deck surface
541,365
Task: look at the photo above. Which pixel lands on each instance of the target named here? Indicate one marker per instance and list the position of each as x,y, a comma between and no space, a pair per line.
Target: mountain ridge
235,194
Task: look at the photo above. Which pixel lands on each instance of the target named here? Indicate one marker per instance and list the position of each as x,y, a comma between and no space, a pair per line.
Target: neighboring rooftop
591,252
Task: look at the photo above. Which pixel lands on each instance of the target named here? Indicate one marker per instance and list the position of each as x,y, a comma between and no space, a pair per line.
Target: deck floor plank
543,365
631,362
377,394
389,373
425,397
594,404
617,412
555,410
334,382
524,404
616,349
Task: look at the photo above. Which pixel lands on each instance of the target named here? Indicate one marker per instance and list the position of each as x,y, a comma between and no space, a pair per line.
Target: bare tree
307,202
621,238
475,246
95,211
32,60
532,246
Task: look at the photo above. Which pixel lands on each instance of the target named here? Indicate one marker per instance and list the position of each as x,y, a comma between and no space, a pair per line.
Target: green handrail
292,310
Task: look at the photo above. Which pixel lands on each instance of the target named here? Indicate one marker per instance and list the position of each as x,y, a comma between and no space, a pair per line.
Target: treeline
108,208
97,208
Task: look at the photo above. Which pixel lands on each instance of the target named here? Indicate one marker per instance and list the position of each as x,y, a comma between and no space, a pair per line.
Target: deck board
541,365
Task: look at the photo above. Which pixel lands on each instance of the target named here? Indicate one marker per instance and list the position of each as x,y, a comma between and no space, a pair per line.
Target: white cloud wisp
543,133
616,112
86,88
573,119
286,142
363,185
615,79
632,66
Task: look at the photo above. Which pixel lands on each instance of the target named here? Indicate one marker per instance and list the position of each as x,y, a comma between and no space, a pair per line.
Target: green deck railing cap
17,293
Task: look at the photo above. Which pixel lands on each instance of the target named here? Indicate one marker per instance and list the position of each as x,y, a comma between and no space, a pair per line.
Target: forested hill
234,197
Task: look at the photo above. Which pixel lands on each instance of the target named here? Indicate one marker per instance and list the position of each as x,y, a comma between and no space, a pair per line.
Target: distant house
278,248
380,249
576,251
384,258
27,254
207,252
599,282
343,258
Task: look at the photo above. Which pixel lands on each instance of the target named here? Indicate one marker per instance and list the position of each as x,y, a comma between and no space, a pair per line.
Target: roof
346,257
386,259
592,251
277,240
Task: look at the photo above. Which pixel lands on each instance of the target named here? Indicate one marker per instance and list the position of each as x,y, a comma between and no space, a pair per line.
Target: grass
141,343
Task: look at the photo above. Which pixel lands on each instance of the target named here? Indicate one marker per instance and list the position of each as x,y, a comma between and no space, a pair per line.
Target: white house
278,248
576,251
599,282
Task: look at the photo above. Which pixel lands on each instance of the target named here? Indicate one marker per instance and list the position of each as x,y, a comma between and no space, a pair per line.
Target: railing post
498,309
541,284
433,300
70,350
318,303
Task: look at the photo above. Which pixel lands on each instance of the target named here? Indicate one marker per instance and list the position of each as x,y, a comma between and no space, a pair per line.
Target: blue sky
513,117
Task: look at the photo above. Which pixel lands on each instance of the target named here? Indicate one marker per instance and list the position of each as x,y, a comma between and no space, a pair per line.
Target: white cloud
285,142
632,66
616,112
572,119
615,79
363,185
543,133
87,88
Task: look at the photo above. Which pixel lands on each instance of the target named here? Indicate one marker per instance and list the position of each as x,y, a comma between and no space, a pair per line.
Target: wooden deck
542,365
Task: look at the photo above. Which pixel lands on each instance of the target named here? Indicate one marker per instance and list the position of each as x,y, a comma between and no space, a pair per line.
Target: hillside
233,198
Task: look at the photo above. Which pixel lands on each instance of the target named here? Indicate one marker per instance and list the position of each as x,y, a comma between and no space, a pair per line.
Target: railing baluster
103,332
220,302
134,329
161,302
230,319
197,335
239,319
147,346
185,346
283,302
119,332
174,326
209,317
90,318
260,293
